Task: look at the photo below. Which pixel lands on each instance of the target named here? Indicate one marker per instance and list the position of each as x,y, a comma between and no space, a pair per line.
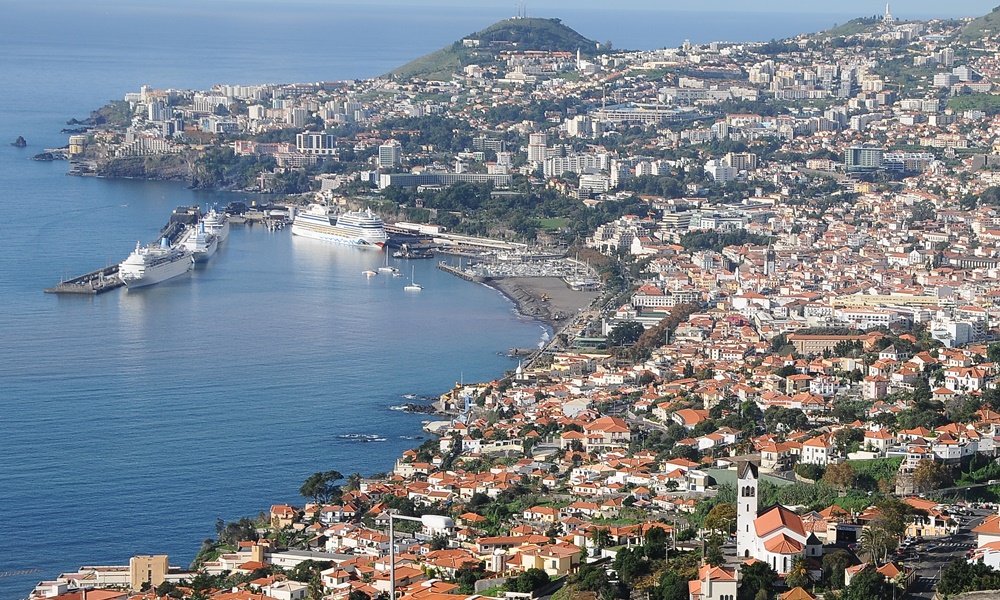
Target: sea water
131,421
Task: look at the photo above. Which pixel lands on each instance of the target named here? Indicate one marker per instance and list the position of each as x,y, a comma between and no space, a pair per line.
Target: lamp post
429,521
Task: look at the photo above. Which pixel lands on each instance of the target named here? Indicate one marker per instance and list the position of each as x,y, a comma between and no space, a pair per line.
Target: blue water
129,422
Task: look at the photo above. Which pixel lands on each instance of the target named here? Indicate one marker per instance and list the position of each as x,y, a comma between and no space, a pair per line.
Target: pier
95,282
460,273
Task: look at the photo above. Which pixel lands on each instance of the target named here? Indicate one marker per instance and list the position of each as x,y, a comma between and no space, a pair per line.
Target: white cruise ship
360,228
200,242
152,264
217,223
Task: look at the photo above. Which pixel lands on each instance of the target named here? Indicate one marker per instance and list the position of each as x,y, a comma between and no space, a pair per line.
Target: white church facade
775,535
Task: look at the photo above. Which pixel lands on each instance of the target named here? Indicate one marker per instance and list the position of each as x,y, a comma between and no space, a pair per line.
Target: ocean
131,421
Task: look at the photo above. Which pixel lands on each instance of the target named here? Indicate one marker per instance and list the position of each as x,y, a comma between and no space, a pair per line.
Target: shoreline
559,306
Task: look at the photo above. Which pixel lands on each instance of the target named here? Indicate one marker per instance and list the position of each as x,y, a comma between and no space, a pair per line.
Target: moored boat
217,223
152,264
363,229
201,243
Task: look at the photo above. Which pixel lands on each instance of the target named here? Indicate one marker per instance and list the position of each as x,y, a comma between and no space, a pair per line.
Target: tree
321,487
865,585
722,518
358,595
600,537
848,439
877,542
625,333
798,576
654,541
834,564
930,475
841,475
529,581
631,565
756,576
962,576
713,551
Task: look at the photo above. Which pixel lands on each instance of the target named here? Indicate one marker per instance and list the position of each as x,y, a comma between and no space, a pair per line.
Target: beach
547,299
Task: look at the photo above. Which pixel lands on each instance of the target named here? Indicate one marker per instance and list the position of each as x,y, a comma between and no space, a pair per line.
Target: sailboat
413,285
386,268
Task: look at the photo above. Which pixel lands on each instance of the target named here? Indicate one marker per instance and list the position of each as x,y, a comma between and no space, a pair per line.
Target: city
789,386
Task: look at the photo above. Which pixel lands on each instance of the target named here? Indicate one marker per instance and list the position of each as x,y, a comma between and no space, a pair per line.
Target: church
775,535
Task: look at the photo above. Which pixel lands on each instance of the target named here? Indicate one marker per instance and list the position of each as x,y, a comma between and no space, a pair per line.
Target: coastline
560,307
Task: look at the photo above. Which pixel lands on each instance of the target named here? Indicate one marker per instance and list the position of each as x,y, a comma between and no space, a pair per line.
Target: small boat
369,273
386,268
413,285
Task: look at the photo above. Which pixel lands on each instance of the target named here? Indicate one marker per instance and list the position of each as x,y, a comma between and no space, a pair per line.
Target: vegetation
522,33
983,26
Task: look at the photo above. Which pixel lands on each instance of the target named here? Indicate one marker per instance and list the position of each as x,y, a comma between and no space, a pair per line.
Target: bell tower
746,509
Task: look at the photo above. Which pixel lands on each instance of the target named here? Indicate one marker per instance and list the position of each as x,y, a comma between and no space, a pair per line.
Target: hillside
987,25
509,34
852,27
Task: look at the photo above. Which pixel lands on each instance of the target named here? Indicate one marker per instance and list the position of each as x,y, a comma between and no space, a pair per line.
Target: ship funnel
164,243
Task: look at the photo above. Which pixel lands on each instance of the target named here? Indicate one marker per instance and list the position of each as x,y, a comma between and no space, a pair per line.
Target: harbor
95,282
183,241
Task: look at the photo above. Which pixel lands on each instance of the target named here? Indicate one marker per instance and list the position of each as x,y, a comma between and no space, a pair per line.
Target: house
817,450
713,583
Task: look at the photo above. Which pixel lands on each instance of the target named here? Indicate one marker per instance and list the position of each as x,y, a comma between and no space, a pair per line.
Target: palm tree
876,542
600,537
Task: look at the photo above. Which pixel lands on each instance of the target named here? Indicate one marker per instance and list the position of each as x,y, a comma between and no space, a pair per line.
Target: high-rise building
863,158
537,144
319,144
390,155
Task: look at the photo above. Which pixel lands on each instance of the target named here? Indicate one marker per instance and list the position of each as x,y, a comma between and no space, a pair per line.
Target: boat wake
361,437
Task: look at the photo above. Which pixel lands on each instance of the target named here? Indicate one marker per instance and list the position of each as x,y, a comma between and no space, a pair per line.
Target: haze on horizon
908,9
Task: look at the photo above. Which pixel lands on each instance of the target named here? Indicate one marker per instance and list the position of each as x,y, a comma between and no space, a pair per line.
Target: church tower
769,260
746,509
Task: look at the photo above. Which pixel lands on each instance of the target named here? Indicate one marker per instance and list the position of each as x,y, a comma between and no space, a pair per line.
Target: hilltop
987,25
480,47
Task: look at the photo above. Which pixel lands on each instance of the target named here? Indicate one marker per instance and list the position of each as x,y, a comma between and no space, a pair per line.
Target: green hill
852,27
985,26
482,46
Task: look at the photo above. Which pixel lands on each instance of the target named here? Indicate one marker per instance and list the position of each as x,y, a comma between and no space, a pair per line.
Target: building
776,535
410,180
317,144
537,147
390,155
863,158
144,569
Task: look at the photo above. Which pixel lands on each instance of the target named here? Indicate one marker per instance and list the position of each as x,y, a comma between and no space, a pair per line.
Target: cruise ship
217,223
360,228
200,242
152,264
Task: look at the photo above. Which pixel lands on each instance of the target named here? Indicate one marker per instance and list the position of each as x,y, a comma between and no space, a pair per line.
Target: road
939,553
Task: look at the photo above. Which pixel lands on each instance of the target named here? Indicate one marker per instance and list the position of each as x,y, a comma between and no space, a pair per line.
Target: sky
920,9
917,8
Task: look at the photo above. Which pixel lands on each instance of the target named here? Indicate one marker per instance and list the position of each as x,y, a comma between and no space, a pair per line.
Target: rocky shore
547,299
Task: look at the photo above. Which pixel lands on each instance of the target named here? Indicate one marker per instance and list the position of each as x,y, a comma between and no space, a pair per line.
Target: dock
95,282
460,273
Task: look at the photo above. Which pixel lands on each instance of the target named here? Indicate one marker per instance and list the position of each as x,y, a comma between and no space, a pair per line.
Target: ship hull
332,235
146,276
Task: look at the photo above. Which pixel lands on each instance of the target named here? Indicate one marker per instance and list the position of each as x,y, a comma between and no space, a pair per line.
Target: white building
777,536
